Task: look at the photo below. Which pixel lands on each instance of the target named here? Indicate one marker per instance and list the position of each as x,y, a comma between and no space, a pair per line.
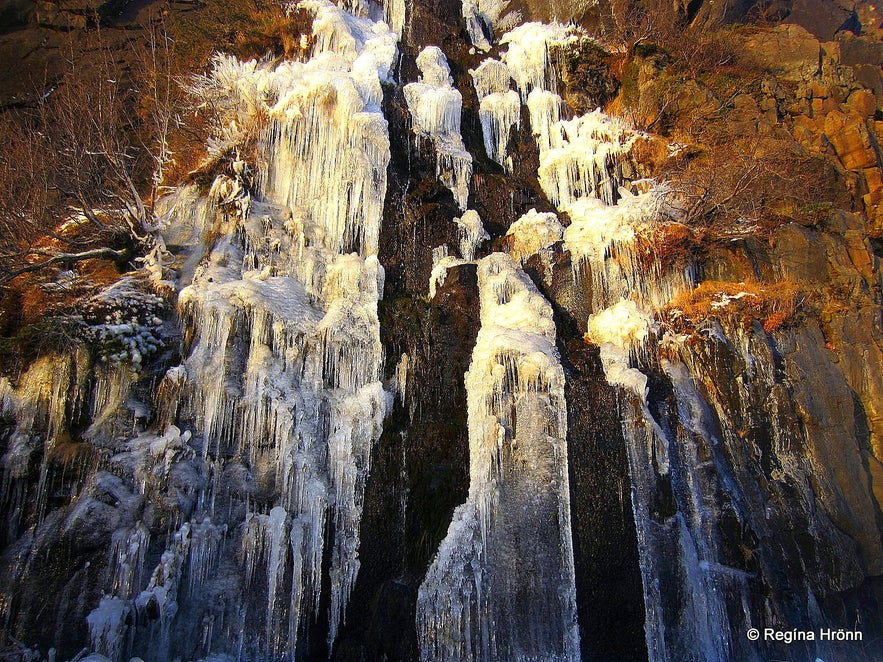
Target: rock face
73,14
403,415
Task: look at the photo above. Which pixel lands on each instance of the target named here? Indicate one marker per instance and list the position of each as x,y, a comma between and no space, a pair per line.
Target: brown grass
276,31
774,305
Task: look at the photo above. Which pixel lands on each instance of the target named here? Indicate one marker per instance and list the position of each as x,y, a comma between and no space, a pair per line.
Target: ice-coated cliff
412,373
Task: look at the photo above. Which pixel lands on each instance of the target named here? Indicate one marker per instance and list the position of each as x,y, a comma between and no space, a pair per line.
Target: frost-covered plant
123,323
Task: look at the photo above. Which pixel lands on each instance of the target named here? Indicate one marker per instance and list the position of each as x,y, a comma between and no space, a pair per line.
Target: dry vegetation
670,246
83,166
774,305
751,186
740,171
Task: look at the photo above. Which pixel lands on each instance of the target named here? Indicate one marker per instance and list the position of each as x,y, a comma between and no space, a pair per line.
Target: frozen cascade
678,547
52,393
499,112
502,584
604,239
289,266
435,107
490,77
688,552
127,556
685,548
161,594
580,173
583,157
107,627
531,54
394,13
472,233
545,112
681,554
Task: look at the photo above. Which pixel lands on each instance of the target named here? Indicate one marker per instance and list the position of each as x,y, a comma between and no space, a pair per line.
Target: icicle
205,546
394,15
582,158
490,77
499,112
402,369
107,627
499,108
435,108
161,594
294,274
472,234
529,56
127,553
440,272
545,113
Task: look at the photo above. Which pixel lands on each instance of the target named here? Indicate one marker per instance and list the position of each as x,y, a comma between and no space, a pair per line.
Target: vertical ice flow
285,360
502,584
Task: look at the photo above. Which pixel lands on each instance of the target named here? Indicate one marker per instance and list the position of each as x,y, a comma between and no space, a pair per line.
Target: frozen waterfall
502,584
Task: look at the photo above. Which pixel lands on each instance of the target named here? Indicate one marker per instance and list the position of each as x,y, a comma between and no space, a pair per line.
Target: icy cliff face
502,585
281,376
502,451
300,404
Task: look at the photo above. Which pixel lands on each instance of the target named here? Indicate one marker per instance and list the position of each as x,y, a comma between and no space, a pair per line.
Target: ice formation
533,232
394,13
530,54
435,107
499,108
440,273
487,18
490,77
502,583
621,331
580,172
499,112
283,358
477,26
472,233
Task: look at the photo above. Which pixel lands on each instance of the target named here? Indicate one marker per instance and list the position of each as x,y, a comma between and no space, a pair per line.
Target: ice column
531,54
502,584
472,233
285,356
